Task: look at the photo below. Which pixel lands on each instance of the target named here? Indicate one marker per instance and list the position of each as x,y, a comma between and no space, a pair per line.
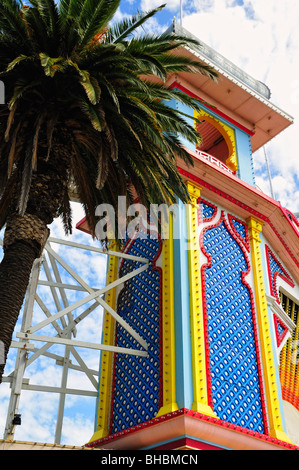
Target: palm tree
83,110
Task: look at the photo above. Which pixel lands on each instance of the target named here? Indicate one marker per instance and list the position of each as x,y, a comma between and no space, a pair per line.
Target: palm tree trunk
15,272
24,240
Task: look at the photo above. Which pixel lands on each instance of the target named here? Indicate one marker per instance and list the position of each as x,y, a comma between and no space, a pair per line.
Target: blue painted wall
243,142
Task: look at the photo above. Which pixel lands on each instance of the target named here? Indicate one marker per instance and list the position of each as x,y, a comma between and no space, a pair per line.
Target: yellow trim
169,377
200,393
293,363
227,132
104,405
284,352
270,379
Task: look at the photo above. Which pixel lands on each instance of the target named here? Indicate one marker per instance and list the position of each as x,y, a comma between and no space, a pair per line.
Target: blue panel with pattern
276,270
240,228
232,350
137,387
281,329
207,210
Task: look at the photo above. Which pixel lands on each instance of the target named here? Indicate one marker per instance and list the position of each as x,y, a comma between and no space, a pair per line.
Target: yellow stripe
200,394
290,367
283,355
169,377
294,385
270,380
104,404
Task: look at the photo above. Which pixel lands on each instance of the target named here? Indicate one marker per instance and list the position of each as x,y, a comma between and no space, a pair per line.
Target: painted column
183,364
200,393
243,144
270,379
103,405
168,328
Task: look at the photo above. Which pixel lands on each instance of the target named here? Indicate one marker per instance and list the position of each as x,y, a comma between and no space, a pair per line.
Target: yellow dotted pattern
289,368
169,377
104,405
200,394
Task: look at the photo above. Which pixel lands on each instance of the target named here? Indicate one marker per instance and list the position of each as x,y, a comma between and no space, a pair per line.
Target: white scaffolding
33,340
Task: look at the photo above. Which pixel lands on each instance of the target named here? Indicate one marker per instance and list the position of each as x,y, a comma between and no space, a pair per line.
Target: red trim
208,203
212,108
279,338
285,276
291,218
253,313
244,242
195,415
244,206
127,246
81,222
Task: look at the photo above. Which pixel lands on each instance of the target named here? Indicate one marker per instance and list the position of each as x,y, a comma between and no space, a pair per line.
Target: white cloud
79,434
261,37
146,5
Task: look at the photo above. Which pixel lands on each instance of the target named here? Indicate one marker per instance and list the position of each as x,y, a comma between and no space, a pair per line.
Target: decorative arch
218,139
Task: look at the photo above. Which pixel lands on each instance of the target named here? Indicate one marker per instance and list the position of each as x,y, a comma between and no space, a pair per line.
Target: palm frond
80,105
91,113
122,30
11,22
95,14
49,14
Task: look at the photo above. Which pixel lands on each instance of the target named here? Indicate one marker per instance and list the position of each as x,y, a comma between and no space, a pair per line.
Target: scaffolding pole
65,325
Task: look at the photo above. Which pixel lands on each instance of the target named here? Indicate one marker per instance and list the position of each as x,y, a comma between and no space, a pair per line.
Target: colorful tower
210,316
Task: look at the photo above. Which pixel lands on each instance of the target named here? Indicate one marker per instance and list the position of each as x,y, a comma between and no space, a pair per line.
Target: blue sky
262,37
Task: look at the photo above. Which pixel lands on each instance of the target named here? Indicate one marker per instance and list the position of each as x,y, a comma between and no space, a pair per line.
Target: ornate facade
218,304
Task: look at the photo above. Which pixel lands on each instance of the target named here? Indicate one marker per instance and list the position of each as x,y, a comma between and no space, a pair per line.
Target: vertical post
169,376
270,379
62,397
184,392
181,11
21,360
200,392
103,402
269,173
66,360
